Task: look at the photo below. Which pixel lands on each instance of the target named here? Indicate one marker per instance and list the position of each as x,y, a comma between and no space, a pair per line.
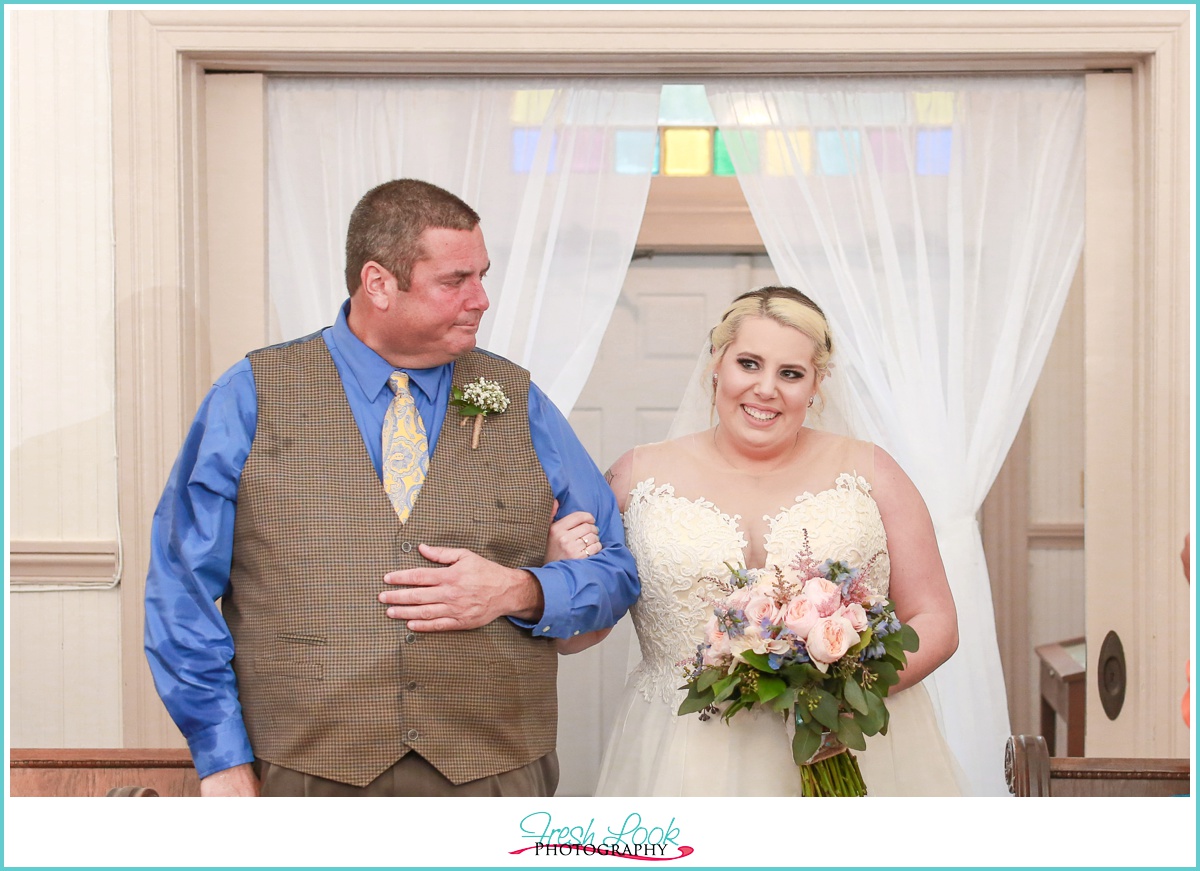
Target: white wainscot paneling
1057,424
60,294
66,674
1056,613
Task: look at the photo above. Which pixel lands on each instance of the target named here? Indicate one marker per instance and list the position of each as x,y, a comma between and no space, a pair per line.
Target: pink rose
826,595
800,616
738,597
855,614
759,607
829,640
718,643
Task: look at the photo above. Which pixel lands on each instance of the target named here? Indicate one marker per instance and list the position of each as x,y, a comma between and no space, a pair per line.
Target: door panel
667,306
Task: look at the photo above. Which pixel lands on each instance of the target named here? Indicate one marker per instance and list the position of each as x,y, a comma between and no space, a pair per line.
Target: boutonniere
478,399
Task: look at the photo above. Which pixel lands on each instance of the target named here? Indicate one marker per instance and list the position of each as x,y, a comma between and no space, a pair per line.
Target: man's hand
236,781
470,592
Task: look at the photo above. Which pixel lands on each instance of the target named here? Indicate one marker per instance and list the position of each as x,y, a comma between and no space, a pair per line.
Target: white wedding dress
680,529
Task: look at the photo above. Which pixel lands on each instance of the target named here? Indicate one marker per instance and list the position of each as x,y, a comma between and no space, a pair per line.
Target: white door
667,306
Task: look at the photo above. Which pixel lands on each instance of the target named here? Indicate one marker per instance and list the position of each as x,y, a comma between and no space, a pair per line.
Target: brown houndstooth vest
331,686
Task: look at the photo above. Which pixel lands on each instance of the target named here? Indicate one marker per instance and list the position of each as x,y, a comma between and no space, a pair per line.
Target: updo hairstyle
784,305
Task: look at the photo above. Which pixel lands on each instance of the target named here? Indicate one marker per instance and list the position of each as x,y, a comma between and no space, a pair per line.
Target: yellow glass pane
789,153
935,108
529,107
686,151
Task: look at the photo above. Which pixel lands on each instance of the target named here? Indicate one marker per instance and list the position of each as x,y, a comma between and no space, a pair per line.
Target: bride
747,492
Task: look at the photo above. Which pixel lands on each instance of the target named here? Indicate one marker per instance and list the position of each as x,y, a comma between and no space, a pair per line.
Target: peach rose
826,595
855,614
800,616
759,607
718,641
829,640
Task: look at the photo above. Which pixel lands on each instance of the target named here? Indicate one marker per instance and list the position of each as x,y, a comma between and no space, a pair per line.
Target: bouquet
815,645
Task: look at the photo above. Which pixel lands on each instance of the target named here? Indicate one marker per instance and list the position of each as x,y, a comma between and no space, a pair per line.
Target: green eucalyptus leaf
804,744
695,701
708,677
727,686
909,639
885,671
872,721
770,687
855,697
826,711
801,673
757,660
784,701
850,734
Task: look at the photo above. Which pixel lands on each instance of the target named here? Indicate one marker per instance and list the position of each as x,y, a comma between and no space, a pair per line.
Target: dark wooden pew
57,772
1031,771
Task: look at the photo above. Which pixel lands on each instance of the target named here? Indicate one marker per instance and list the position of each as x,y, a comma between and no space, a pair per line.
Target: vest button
410,638
406,547
412,684
411,735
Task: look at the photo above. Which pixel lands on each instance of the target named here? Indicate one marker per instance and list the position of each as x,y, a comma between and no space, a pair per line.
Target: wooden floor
55,772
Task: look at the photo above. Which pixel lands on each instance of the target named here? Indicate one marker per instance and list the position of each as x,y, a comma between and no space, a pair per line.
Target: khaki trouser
413,776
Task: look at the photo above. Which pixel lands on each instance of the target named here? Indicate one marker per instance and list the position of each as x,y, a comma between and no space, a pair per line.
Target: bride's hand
575,536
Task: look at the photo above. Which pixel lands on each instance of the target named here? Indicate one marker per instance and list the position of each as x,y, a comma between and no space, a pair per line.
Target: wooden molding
63,563
1056,536
691,215
1004,528
115,757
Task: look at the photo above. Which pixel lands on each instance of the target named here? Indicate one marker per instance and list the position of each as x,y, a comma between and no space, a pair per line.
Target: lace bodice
678,542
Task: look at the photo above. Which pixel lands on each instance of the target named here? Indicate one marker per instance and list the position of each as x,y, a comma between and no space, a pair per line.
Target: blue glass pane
636,151
525,146
838,151
933,151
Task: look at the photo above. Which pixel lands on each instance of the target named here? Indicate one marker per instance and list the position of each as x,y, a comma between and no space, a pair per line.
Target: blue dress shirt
188,644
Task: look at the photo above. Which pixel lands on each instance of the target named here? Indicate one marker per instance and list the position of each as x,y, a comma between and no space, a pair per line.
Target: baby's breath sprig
478,399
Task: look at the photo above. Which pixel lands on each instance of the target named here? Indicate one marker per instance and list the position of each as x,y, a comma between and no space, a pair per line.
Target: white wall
64,645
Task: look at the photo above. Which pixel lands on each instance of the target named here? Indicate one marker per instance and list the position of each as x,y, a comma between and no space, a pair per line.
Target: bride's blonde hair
784,305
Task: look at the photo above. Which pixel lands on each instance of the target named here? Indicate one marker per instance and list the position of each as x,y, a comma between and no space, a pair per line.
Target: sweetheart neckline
647,487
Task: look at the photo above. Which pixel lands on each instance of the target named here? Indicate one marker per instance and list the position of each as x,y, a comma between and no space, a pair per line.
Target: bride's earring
810,401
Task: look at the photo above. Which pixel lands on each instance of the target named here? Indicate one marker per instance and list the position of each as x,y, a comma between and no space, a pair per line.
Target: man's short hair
388,221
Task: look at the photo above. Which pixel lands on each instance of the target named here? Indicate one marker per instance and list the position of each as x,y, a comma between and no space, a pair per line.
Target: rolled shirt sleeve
585,594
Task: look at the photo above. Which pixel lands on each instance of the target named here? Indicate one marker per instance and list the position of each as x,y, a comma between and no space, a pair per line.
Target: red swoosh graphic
604,851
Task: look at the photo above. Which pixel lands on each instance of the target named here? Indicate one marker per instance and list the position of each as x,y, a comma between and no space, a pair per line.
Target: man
381,573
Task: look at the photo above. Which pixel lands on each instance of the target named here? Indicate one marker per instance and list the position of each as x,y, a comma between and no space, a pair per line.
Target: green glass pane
747,140
684,106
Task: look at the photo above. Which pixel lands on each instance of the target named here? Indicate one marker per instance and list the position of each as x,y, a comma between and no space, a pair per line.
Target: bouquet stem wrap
832,772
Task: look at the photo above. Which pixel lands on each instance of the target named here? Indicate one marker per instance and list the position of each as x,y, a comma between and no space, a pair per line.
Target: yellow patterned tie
405,448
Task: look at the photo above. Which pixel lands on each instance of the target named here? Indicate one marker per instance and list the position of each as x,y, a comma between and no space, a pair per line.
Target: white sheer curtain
938,222
558,171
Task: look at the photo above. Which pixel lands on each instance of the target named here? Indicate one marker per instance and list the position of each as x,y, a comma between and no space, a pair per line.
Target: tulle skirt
654,752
